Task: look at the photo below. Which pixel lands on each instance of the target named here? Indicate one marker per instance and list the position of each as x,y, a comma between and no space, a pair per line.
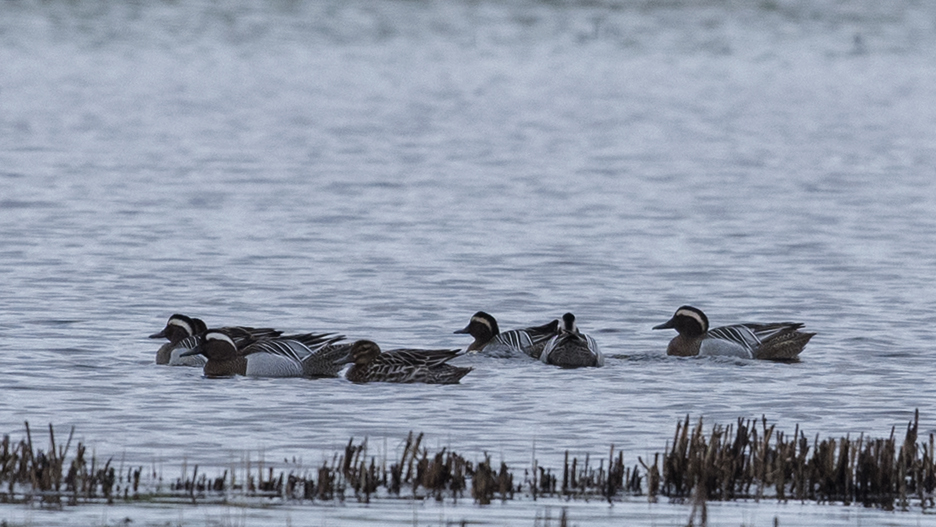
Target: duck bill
160,335
666,325
461,331
344,360
194,351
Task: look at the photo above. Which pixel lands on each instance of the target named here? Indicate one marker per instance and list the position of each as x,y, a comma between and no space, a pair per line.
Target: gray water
386,169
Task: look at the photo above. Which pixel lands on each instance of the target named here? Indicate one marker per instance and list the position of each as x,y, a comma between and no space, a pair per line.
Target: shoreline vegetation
748,460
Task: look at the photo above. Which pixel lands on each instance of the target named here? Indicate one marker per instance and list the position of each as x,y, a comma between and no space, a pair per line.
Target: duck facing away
182,333
304,355
401,365
781,341
489,340
572,348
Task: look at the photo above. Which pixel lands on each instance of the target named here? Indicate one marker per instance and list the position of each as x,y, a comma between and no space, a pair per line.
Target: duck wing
412,365
295,347
442,374
540,334
774,341
744,335
766,332
419,357
781,341
325,360
529,341
313,341
245,335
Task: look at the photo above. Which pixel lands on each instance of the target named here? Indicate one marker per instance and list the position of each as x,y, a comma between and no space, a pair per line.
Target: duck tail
457,372
784,346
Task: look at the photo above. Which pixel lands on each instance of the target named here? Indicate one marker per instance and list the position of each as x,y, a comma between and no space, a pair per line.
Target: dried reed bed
41,475
750,460
746,460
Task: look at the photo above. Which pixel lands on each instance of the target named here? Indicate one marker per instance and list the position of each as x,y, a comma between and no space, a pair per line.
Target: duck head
688,321
483,327
200,326
361,353
568,326
179,327
214,344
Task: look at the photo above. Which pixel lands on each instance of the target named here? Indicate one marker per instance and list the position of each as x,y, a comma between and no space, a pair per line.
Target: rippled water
386,169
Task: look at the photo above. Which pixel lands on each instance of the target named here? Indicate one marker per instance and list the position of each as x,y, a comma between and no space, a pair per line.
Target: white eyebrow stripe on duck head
695,316
482,320
218,335
182,324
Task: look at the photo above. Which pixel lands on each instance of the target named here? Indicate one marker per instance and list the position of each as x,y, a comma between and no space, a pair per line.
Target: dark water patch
22,204
55,322
635,357
899,354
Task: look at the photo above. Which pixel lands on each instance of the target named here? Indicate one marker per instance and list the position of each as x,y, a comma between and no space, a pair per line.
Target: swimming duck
401,365
489,340
780,341
181,332
572,348
303,355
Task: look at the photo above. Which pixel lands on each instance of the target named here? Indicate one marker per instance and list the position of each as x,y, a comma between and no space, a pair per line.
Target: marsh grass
748,460
751,460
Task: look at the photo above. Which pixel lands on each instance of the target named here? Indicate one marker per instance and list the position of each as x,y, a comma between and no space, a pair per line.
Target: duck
571,348
779,341
181,331
401,365
489,340
307,355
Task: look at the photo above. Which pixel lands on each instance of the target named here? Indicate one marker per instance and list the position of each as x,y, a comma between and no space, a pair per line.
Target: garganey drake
780,341
181,331
489,340
572,348
304,355
401,365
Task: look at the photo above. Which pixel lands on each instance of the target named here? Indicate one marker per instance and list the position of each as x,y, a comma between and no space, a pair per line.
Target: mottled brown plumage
571,348
401,365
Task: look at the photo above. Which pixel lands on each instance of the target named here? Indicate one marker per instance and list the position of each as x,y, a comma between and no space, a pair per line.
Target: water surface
384,170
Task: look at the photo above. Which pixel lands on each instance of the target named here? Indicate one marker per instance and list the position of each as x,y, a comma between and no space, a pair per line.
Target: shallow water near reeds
384,170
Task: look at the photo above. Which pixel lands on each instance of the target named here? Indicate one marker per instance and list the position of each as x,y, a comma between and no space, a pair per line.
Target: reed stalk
744,460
